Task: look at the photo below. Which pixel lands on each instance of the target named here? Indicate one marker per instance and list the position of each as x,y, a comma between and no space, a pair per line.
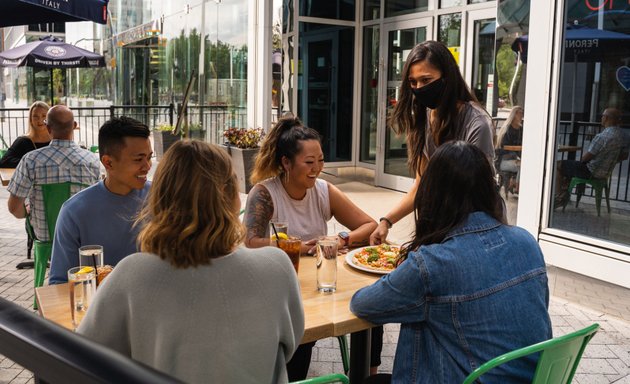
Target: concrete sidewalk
577,301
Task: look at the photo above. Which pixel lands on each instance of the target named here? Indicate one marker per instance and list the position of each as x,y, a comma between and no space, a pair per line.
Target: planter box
162,140
243,163
197,135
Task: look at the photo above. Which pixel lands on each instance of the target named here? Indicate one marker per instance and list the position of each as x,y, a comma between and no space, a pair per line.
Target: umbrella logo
55,51
623,77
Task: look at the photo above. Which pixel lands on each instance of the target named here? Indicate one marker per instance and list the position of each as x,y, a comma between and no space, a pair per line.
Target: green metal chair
333,378
598,185
54,195
559,358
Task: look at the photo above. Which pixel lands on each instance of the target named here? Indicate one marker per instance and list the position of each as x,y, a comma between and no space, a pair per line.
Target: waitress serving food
288,189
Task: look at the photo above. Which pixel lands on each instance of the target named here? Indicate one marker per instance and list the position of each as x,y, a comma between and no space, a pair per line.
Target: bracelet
389,222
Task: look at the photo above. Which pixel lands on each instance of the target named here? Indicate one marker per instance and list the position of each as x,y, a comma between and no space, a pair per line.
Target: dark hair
111,135
410,118
283,140
458,181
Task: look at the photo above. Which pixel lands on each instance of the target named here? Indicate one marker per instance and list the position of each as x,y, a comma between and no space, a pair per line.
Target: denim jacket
478,294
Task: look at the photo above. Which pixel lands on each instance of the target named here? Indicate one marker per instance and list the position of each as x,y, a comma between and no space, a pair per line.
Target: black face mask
429,95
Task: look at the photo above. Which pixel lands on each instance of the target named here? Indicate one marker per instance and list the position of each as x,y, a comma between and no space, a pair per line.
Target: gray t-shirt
477,130
237,320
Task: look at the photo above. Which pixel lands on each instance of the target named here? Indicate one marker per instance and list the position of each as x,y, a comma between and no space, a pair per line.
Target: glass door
397,41
479,61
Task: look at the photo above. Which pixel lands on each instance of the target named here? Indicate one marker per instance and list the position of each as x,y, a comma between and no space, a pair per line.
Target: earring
286,177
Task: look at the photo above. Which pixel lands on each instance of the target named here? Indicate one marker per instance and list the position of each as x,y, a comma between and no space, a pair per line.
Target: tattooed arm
258,213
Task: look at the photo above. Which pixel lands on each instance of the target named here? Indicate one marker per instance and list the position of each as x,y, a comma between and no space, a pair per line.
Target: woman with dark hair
435,106
469,287
36,138
194,303
288,189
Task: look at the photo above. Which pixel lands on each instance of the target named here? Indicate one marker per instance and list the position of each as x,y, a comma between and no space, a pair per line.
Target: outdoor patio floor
577,301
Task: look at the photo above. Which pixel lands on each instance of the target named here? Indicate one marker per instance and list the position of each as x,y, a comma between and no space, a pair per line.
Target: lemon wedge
85,270
281,235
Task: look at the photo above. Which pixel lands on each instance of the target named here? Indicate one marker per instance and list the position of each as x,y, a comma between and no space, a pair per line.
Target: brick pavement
577,301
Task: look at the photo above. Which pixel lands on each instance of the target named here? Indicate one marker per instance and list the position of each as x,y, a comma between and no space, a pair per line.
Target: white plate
361,267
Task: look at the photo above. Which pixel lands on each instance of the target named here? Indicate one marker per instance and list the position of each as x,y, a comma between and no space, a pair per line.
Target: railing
213,119
580,133
56,355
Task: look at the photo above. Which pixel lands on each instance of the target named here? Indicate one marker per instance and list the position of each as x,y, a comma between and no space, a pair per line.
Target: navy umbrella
22,12
50,53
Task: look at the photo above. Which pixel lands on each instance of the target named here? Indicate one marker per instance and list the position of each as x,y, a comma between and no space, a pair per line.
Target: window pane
450,32
325,85
404,7
591,194
330,9
369,98
372,9
450,3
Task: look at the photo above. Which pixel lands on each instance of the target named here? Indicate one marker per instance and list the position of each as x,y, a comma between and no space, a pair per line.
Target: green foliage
164,128
506,65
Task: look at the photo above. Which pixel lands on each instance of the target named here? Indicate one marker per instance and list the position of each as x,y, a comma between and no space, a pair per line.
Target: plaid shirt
605,147
61,161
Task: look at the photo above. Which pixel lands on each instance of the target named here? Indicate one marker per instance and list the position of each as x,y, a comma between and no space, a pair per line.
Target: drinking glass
327,264
82,287
292,246
281,228
91,256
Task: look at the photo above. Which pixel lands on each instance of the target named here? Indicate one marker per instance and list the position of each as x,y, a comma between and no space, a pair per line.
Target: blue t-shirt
95,216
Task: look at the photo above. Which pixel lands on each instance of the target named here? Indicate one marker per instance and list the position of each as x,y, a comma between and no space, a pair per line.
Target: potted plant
243,144
163,138
196,131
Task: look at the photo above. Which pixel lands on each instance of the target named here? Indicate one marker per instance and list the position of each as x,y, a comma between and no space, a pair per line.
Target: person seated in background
511,133
469,287
287,189
104,213
605,150
61,161
194,304
37,136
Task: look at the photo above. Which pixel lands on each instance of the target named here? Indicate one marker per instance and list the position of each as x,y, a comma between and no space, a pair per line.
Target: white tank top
306,218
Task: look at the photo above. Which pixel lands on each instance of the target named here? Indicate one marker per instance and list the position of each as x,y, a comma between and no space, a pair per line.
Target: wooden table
5,175
326,314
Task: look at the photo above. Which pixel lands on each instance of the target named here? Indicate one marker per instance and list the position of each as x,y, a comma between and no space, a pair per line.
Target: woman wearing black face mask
435,106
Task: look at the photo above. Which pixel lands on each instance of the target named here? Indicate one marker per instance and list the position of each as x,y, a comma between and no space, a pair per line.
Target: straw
275,233
95,269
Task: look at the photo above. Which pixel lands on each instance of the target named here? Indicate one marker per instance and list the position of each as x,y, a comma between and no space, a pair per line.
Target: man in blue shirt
104,214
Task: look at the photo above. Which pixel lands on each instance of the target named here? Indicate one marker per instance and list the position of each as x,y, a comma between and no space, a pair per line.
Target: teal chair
558,360
598,185
54,195
333,378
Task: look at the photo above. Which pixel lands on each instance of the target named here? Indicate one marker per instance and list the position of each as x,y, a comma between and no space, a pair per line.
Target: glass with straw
91,256
277,230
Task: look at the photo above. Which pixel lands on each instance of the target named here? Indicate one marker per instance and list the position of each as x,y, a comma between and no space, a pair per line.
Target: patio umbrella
50,53
22,12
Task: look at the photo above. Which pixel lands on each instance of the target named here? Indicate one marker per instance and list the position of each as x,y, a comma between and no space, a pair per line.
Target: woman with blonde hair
288,189
511,133
185,304
36,137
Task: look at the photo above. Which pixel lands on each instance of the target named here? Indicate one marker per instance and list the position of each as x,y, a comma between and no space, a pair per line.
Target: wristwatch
345,237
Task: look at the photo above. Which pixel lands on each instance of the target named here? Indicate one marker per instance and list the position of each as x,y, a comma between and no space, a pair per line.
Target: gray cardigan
237,320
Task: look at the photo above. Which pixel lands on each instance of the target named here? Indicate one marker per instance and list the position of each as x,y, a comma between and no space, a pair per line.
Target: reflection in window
369,97
330,9
287,16
372,9
404,7
483,59
450,3
590,193
450,32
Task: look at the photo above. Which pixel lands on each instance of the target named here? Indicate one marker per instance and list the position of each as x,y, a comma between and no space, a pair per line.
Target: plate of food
379,259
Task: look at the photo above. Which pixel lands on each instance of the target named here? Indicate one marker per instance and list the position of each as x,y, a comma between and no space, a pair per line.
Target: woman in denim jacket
470,288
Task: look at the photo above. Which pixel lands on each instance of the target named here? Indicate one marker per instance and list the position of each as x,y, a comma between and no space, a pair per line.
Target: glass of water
327,264
91,256
82,287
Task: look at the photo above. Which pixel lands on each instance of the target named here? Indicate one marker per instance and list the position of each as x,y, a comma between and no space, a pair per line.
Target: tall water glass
327,264
91,256
82,287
